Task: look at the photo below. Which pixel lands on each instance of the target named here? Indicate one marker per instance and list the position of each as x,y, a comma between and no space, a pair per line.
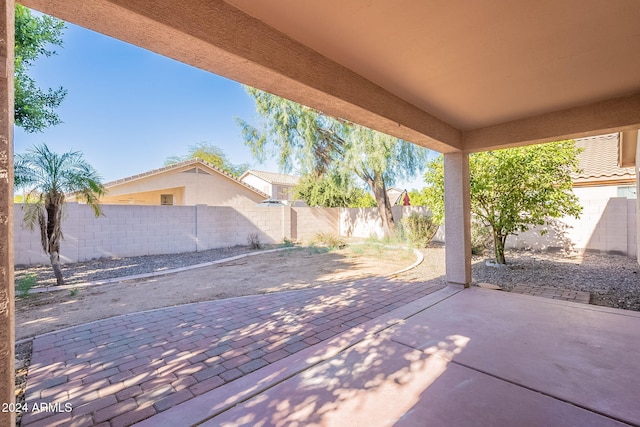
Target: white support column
457,208
7,308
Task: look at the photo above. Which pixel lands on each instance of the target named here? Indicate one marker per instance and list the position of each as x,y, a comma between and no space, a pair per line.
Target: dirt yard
612,281
262,273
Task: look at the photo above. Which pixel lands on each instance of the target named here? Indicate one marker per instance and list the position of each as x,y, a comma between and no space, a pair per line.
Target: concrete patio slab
382,383
474,358
579,353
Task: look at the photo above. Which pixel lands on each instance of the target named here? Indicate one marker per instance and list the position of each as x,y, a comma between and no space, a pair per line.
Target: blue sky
128,109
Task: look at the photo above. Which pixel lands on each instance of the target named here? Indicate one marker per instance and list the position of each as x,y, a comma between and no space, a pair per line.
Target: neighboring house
396,196
607,188
188,183
602,175
278,186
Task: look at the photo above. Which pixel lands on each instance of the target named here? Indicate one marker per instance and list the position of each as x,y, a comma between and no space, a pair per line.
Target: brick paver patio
553,293
118,371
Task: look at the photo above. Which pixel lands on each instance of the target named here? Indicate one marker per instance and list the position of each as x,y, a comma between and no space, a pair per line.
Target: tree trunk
498,246
384,207
57,270
54,234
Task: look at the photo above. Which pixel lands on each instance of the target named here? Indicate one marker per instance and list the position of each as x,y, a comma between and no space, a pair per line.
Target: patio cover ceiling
450,75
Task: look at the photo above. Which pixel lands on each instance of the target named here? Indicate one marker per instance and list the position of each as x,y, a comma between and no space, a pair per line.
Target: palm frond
31,208
48,176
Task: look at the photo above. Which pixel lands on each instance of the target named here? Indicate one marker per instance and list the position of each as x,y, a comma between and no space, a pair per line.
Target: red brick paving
119,371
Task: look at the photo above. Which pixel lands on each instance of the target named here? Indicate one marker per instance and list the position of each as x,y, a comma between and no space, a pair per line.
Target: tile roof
174,166
599,161
273,178
394,194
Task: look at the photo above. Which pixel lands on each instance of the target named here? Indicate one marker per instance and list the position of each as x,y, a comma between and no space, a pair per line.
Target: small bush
419,229
481,238
288,243
254,241
25,284
331,241
73,292
398,237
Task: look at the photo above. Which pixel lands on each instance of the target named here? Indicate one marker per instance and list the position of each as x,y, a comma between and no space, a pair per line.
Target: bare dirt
263,273
612,281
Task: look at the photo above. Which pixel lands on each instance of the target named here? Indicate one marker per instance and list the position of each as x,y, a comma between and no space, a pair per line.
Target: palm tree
48,178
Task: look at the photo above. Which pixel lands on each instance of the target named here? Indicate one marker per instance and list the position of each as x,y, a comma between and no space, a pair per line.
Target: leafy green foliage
417,198
34,107
514,189
25,284
433,194
330,191
48,178
419,229
319,145
211,154
366,200
288,243
481,237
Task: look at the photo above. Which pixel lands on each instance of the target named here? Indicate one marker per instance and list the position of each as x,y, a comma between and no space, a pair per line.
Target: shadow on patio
455,357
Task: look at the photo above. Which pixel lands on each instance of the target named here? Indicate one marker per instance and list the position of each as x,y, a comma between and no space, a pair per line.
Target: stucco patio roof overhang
456,76
451,76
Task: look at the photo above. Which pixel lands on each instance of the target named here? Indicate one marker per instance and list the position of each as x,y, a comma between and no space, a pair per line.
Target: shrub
481,237
331,241
25,284
254,241
419,229
288,243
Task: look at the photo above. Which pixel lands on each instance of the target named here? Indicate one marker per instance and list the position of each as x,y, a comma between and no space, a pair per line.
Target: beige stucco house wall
277,185
188,183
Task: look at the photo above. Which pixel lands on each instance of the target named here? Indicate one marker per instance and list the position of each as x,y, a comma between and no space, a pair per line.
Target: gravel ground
23,360
612,280
107,268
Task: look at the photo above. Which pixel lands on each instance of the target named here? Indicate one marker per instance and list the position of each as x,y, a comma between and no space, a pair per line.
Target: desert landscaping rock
611,280
109,268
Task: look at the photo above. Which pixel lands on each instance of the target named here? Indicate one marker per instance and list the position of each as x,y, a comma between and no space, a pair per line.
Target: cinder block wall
124,230
366,222
606,225
307,222
131,230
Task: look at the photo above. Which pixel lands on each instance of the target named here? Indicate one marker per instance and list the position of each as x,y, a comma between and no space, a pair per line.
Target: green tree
418,198
319,145
211,154
48,178
514,189
34,107
332,190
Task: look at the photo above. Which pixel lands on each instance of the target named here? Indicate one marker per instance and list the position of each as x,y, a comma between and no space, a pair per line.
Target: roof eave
627,149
